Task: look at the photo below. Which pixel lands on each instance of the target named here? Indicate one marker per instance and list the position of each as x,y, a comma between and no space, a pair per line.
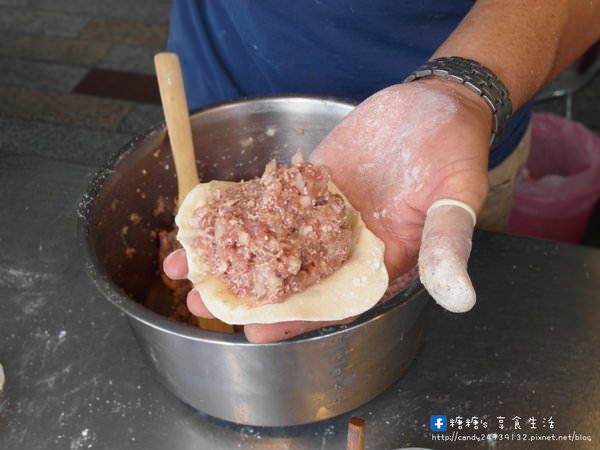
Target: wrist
473,108
472,76
463,95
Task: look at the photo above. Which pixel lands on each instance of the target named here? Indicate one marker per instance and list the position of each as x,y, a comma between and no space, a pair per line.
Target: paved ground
49,48
77,79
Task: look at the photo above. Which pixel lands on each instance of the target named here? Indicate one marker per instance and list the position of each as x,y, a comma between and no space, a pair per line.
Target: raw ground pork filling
274,236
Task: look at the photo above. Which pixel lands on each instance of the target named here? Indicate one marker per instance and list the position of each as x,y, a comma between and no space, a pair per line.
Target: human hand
393,157
399,152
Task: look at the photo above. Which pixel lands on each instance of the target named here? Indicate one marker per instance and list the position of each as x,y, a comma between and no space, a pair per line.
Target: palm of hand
402,149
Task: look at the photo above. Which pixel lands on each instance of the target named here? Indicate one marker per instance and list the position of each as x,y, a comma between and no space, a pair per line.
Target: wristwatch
478,79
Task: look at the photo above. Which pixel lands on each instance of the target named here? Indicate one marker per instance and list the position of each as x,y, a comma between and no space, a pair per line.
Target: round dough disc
354,288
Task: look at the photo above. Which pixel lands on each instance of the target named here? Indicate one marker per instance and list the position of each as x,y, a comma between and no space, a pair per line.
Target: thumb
445,249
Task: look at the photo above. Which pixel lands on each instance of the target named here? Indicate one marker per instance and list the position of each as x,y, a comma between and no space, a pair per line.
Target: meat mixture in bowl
179,288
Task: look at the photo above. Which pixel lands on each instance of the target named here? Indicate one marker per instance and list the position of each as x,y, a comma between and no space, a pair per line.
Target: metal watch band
478,79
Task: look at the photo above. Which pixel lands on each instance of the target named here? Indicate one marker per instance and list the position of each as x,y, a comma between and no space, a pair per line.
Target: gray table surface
75,378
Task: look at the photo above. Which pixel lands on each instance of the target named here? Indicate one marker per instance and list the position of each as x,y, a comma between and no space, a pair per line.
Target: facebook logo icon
439,423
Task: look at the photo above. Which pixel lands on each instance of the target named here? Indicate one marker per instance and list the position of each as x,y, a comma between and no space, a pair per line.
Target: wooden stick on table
175,108
356,434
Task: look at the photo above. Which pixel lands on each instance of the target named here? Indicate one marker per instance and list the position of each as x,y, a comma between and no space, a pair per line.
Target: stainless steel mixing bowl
312,377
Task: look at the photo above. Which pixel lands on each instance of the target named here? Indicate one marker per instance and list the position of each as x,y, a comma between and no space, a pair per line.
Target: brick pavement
50,47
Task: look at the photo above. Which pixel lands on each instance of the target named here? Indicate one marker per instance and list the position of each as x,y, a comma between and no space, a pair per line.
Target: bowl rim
135,310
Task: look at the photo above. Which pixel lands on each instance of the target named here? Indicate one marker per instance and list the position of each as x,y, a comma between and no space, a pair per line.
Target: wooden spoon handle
172,94
174,103
356,434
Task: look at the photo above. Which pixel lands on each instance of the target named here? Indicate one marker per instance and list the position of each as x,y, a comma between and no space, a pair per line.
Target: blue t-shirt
344,48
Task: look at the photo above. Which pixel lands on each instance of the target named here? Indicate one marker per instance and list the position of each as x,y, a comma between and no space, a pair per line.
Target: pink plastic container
560,185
